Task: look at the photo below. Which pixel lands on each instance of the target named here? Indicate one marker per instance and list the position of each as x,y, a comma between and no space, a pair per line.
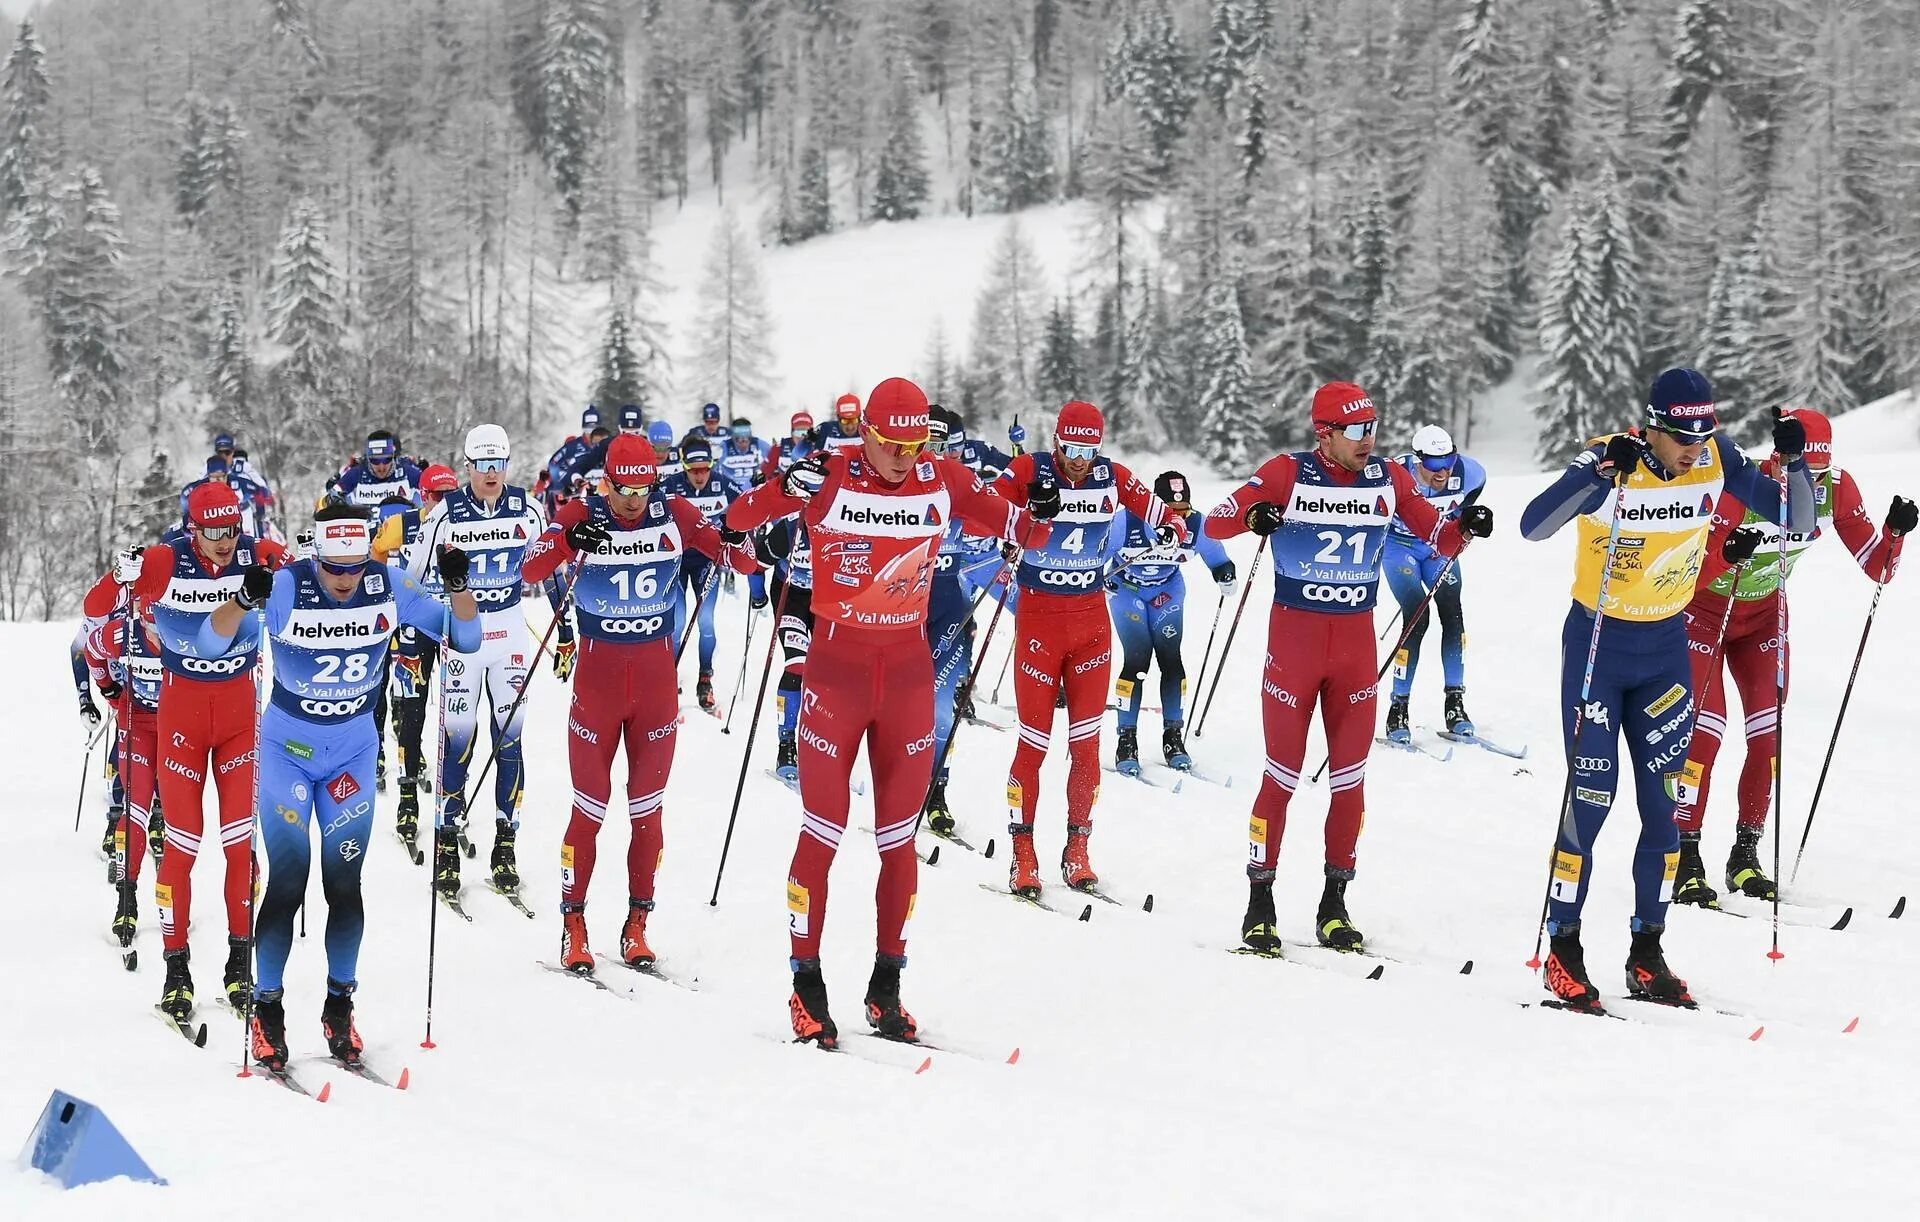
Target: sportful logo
1706,506
1380,505
933,517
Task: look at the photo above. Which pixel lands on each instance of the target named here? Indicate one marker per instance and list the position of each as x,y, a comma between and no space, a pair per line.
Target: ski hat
382,449
1172,487
487,441
896,411
696,454
1432,441
1338,404
660,435
632,419
939,423
801,420
1819,451
216,465
711,413
1681,401
847,407
222,442
438,478
630,460
347,536
1079,424
589,418
213,505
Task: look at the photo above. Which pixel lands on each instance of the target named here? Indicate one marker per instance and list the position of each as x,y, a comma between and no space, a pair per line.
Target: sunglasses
380,460
699,466
347,569
1686,439
1357,432
1436,462
213,534
906,449
630,489
491,465
1079,453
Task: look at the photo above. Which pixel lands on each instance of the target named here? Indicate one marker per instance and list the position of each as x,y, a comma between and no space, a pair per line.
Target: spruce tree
619,379
24,94
733,361
1589,323
1058,375
1233,435
900,184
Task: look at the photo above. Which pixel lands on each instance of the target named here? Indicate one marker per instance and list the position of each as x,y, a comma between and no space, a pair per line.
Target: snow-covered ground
1158,1076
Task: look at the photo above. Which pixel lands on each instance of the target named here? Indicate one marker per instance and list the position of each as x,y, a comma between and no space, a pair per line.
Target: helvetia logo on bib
1706,506
933,514
1380,505
380,624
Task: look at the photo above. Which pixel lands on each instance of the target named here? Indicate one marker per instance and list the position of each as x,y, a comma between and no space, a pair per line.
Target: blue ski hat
589,419
1681,402
632,420
216,465
710,413
222,442
660,433
697,454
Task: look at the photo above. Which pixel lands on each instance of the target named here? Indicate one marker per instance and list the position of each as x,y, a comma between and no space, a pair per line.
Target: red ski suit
1318,657
870,673
106,642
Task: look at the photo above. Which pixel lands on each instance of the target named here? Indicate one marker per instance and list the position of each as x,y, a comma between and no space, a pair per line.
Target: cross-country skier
381,474
796,445
629,545
330,619
123,660
660,437
205,724
1645,501
709,430
554,483
1751,541
1325,511
1063,640
710,492
981,565
493,522
786,548
1147,599
1448,480
875,517
843,431
742,456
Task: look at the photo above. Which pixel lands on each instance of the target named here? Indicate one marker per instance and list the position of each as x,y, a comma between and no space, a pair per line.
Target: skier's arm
1140,501
1580,489
993,514
764,504
1211,551
431,528
550,549
1013,479
421,610
1762,493
1877,554
1441,534
390,538
1272,484
704,537
1728,513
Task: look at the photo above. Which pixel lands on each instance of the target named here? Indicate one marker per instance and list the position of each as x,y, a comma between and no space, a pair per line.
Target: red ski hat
897,412
213,504
801,420
1079,424
1338,404
438,478
630,461
847,406
1819,436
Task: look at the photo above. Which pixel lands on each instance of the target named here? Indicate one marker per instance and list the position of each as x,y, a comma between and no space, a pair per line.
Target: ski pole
439,813
1200,679
1579,714
746,755
122,732
566,599
1232,628
1833,741
1779,706
959,696
746,652
253,832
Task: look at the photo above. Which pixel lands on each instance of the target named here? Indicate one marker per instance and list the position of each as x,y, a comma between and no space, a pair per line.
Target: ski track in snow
1158,1075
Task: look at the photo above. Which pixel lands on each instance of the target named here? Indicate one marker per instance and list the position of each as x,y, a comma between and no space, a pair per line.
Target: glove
452,564
255,586
1789,437
587,536
1017,435
732,537
127,562
1043,500
89,711
1226,574
303,543
1262,518
563,652
1739,547
1902,516
759,478
1624,452
1172,532
1476,521
805,477
1010,552
409,678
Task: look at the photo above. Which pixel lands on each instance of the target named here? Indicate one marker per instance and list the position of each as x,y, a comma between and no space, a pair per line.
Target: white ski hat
487,441
1431,441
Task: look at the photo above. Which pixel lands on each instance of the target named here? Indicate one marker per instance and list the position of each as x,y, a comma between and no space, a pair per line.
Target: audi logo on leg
1592,763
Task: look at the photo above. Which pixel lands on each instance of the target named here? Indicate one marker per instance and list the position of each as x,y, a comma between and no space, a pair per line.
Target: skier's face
220,551
488,484
891,459
1675,453
628,503
697,477
1074,462
1350,452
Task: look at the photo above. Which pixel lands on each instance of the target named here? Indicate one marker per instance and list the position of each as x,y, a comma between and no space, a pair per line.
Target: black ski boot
1398,729
239,974
176,994
110,843
1126,751
406,819
786,763
126,912
1331,924
808,1007
963,703
446,861
1456,713
156,833
1690,884
269,1031
336,1021
939,818
506,871
703,693
1566,975
1648,976
380,770
1744,874
1173,748
885,1014
1258,931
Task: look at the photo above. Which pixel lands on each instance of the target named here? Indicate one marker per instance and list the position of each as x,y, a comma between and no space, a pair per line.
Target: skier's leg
185,726
1657,743
1753,668
1347,710
506,678
1594,756
1085,666
1290,684
343,807
142,743
1402,568
1453,624
460,705
1129,613
1706,654
288,789
593,735
837,708
233,773
900,752
652,720
1166,626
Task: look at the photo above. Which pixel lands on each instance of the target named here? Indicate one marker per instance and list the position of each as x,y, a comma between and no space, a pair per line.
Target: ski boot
1648,976
1566,975
446,861
786,763
406,820
1690,881
176,993
1331,924
1398,731
1126,751
380,770
506,870
1258,931
1060,697
156,833
110,846
703,692
885,1014
1075,870
126,912
239,974
634,950
336,1022
1023,875
963,704
939,818
269,1031
1744,874
564,654
1456,713
1173,748
575,955
807,1007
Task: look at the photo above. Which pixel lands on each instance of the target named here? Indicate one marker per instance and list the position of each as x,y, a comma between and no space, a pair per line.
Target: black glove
89,711
1010,552
1262,518
1902,517
587,536
1789,437
1739,547
805,477
1043,500
1476,521
255,585
1167,535
1624,452
1226,574
453,565
732,537
759,478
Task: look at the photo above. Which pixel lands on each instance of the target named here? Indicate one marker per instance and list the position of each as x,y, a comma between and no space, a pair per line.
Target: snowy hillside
1157,1076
